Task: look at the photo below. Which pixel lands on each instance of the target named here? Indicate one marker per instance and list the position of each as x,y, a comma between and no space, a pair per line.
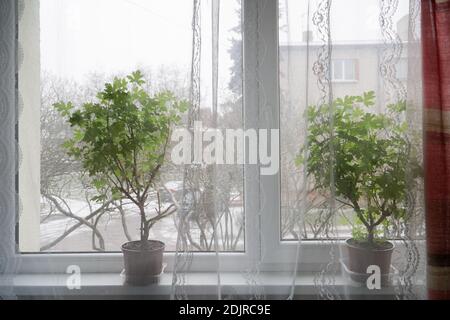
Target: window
344,70
81,46
85,43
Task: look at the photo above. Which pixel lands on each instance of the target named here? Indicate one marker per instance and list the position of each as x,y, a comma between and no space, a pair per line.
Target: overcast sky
79,37
83,36
351,20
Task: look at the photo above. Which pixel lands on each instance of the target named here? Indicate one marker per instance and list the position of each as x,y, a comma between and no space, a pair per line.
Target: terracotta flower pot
143,266
361,256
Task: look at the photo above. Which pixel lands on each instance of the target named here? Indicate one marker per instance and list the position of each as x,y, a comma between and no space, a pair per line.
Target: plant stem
370,236
144,228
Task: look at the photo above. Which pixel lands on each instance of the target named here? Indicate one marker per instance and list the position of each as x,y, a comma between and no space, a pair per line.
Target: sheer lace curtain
8,167
332,54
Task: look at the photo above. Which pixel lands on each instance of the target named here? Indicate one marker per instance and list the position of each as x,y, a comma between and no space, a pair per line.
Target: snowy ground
111,228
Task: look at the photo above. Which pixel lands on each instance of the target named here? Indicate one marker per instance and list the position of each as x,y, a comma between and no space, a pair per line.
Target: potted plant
121,140
365,158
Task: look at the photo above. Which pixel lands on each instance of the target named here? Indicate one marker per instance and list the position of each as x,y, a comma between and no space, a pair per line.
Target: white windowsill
197,284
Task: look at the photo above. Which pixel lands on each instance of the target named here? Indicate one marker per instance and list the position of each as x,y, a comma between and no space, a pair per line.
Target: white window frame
262,194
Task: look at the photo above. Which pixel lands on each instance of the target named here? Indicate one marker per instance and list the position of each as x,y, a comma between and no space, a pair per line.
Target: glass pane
338,68
350,70
85,44
358,46
402,69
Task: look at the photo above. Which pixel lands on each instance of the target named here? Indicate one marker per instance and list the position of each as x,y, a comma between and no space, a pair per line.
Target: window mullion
261,83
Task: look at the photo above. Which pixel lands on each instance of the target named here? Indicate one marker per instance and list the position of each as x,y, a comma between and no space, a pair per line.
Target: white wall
29,128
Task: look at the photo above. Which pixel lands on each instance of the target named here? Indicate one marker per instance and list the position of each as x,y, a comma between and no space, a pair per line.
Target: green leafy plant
121,140
365,157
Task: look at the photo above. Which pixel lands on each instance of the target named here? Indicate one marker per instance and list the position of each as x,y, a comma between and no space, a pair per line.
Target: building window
344,70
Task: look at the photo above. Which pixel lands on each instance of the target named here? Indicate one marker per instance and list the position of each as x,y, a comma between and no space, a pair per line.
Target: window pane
85,44
338,69
358,51
402,69
349,70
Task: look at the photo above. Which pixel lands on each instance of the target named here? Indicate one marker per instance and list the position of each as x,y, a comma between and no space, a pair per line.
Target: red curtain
436,58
